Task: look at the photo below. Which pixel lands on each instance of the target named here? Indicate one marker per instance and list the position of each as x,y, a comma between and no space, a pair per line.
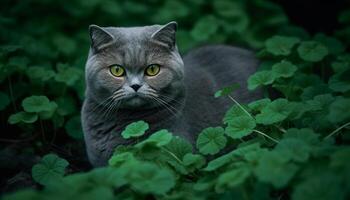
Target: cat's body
190,103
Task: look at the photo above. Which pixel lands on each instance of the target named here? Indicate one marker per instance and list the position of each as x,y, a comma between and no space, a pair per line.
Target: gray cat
137,73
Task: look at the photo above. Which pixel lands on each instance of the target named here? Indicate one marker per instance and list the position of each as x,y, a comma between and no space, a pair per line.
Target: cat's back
210,68
221,65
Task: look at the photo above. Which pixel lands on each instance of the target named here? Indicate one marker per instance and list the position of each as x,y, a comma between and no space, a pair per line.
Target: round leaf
259,79
135,129
211,140
275,112
50,168
281,45
284,69
74,128
23,117
36,104
240,127
312,51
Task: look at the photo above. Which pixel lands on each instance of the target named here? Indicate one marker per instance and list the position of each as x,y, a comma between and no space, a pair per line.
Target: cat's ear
100,38
166,34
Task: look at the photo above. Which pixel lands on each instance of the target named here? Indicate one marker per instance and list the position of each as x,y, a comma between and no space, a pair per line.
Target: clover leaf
340,82
276,111
233,113
68,75
211,140
159,138
326,186
40,73
339,110
284,69
259,104
297,149
36,104
233,178
23,117
281,45
260,78
204,28
135,129
73,128
240,127
312,51
193,161
274,168
149,178
226,90
50,168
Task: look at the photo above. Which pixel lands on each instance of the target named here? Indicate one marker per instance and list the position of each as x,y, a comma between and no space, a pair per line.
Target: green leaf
281,45
73,128
284,69
179,147
240,127
305,134
334,46
211,140
327,187
233,178
23,117
148,178
312,51
49,169
66,105
120,158
52,107
259,104
297,149
260,78
193,161
36,104
4,101
339,110
340,82
135,129
68,75
273,167
226,90
234,112
159,138
204,28
40,73
276,111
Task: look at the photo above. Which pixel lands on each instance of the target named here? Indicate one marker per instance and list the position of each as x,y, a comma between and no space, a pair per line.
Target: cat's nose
135,87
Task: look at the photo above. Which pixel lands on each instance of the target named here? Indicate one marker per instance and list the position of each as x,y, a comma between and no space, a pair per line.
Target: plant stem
240,106
11,93
264,134
173,155
337,130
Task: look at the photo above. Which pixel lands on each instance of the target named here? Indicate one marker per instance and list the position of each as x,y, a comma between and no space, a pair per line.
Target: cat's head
136,67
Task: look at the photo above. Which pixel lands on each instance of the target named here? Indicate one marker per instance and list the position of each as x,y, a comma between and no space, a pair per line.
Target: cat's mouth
135,100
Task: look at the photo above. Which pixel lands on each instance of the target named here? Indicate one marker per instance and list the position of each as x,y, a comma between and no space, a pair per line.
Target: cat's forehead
133,33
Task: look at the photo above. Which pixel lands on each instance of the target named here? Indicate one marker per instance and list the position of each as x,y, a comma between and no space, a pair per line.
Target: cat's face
134,68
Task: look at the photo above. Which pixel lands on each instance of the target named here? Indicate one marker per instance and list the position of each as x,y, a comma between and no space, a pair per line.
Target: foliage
294,147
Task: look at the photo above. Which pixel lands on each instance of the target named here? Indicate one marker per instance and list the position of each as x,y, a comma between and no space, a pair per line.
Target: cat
137,73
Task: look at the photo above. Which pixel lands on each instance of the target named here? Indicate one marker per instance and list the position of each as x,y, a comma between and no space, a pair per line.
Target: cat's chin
136,102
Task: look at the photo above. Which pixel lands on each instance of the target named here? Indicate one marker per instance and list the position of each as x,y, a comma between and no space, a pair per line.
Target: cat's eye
117,70
152,70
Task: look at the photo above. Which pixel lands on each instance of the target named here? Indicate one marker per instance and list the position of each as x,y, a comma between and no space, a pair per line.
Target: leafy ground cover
295,146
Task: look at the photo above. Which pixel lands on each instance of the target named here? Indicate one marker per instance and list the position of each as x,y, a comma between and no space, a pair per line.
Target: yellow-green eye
152,70
117,70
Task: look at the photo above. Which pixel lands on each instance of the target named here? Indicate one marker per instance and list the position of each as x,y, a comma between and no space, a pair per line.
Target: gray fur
183,89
